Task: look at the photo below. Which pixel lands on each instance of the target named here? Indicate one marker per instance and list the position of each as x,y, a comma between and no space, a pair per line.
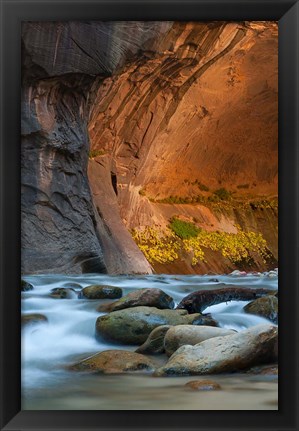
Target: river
69,336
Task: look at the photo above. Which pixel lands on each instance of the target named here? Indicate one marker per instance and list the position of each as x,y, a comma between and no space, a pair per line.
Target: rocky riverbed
119,342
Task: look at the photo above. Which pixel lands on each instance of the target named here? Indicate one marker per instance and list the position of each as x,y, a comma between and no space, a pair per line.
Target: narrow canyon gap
117,116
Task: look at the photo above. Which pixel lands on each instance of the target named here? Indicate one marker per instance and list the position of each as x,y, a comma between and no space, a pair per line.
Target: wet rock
264,370
242,350
205,319
155,341
181,335
203,385
142,297
114,362
33,319
63,293
133,325
101,292
25,286
265,307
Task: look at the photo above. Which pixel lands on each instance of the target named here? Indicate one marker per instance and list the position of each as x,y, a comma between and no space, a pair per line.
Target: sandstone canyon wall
119,117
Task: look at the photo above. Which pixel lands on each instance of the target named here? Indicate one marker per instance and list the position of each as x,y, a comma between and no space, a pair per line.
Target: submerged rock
25,286
264,370
203,385
63,293
101,292
114,362
155,341
181,335
33,319
245,349
265,307
148,297
133,325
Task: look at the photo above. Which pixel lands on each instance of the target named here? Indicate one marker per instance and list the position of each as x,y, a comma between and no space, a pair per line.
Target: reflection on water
69,336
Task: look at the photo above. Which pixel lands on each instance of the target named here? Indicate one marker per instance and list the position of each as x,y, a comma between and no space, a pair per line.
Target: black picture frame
13,12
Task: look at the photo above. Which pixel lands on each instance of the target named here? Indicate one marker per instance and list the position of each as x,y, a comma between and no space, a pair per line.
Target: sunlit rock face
200,105
160,105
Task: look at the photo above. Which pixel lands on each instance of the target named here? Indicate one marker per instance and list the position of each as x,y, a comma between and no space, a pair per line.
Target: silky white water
69,335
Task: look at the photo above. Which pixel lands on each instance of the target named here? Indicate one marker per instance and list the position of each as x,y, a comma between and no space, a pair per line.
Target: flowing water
69,336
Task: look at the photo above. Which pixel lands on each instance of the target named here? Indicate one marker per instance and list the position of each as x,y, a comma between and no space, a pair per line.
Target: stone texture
155,341
63,293
151,297
101,292
33,319
25,286
133,325
203,385
245,349
181,335
265,307
115,362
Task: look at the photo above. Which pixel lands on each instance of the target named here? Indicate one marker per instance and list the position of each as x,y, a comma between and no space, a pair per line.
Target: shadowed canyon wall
117,117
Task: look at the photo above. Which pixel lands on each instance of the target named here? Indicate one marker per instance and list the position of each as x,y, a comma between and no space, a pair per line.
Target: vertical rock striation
161,105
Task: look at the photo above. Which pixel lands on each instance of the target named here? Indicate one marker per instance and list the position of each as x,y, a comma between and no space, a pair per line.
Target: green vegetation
180,200
95,153
167,246
183,229
223,194
200,185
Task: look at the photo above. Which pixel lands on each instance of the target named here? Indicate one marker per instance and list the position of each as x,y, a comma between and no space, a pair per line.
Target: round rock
115,362
141,297
133,325
155,341
33,319
266,306
63,293
244,349
25,286
203,385
181,335
101,292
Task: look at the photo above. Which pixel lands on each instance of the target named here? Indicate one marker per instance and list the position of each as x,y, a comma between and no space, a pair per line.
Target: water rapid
69,336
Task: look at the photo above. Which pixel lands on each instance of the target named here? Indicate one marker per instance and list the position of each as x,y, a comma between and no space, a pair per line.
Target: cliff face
168,109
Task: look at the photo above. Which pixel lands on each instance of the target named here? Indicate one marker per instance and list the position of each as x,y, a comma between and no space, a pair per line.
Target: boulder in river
115,362
152,297
253,346
33,319
133,325
265,307
181,335
25,286
155,341
203,385
63,293
101,292
198,301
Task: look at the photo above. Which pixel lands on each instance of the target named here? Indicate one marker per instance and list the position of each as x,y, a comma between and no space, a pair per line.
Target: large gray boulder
181,335
133,325
245,349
